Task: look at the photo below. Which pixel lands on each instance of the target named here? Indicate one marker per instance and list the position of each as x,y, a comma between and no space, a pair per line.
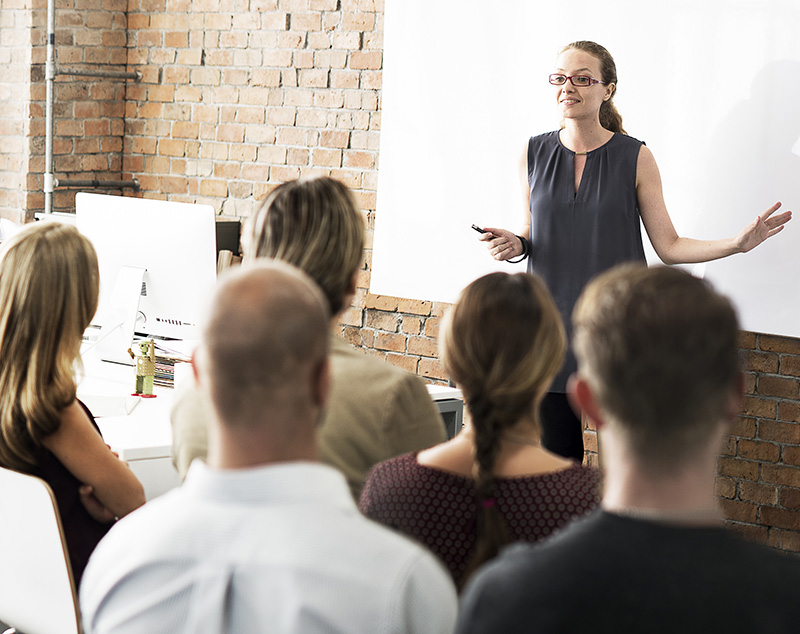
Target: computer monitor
157,263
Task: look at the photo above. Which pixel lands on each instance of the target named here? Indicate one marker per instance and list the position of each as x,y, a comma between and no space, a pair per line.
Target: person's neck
238,449
581,135
684,496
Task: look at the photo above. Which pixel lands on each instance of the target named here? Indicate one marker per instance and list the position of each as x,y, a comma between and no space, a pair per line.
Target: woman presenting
588,184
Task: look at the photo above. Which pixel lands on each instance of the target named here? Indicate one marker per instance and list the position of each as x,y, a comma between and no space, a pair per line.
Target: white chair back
37,592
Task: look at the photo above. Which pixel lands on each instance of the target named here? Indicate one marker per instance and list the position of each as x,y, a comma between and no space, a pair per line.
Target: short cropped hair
267,331
659,349
314,224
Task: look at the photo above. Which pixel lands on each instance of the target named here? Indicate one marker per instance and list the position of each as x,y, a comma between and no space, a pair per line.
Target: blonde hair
314,224
502,343
49,286
610,117
659,349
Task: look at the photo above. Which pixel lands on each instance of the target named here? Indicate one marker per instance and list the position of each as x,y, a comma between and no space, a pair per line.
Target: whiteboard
712,87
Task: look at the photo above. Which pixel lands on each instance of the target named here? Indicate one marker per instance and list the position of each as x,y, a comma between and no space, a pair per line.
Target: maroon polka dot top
440,509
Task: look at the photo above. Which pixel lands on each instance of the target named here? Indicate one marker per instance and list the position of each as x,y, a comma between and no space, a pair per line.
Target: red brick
762,362
392,342
381,302
739,511
738,468
423,347
382,320
779,474
411,325
789,411
789,541
215,188
170,147
777,386
790,498
366,60
414,307
753,450
780,518
791,456
185,130
334,139
725,487
779,432
758,493
431,368
774,343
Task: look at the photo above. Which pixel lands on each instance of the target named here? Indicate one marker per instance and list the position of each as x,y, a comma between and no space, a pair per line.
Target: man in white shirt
263,537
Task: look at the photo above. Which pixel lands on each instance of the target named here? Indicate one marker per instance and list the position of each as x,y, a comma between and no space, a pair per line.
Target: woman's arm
673,249
503,244
82,451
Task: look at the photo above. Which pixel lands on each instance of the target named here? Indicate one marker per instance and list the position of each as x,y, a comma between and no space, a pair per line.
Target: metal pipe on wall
50,75
51,71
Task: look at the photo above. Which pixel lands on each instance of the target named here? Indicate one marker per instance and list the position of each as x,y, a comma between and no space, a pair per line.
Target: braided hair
503,342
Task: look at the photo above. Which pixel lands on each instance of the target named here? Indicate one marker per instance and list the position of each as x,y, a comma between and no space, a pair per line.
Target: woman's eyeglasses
557,79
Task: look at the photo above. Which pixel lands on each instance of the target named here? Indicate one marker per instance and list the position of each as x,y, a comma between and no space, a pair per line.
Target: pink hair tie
489,503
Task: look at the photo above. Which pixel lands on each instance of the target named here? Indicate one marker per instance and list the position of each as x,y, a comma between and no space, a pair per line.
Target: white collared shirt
280,548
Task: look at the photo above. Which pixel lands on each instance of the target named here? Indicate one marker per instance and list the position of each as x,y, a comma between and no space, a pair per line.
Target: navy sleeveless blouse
576,236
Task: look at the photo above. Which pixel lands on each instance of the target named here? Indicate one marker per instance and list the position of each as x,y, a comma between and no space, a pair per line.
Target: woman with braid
502,343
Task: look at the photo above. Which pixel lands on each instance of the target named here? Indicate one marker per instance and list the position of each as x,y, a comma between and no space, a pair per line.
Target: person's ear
610,88
583,400
736,399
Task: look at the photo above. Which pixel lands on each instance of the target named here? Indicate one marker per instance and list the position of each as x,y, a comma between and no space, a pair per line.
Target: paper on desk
105,406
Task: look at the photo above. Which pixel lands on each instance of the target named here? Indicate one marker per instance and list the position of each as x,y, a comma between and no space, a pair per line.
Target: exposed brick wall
89,113
759,469
15,86
237,97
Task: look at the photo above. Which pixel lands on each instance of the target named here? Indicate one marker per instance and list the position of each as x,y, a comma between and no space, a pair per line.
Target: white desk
143,438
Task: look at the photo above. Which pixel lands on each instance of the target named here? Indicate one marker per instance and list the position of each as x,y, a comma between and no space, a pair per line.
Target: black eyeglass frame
591,81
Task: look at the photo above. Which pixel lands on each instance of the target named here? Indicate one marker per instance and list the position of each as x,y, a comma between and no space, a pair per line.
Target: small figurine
145,368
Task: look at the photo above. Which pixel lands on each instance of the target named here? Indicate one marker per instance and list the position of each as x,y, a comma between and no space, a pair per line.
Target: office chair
37,591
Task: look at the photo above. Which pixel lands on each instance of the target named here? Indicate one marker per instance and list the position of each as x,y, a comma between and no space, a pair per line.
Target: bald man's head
264,347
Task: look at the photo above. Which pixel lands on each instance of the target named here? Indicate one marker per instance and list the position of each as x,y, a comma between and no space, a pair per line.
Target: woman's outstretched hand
502,244
764,226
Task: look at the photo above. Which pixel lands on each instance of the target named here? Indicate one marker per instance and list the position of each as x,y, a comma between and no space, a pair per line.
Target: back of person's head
314,224
658,349
502,343
264,343
49,285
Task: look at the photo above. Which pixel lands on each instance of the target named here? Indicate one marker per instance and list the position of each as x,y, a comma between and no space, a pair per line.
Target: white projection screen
712,87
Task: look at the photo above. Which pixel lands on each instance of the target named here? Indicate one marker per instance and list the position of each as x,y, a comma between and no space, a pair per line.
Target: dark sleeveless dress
573,238
81,531
576,236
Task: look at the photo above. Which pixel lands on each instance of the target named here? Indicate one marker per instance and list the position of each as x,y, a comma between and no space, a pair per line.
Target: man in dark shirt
658,373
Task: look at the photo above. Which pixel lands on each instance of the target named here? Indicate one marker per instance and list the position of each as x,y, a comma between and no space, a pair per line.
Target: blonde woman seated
48,294
494,483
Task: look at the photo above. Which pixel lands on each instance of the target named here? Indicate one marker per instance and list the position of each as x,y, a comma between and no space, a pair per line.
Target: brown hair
658,348
49,285
502,344
610,118
314,224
